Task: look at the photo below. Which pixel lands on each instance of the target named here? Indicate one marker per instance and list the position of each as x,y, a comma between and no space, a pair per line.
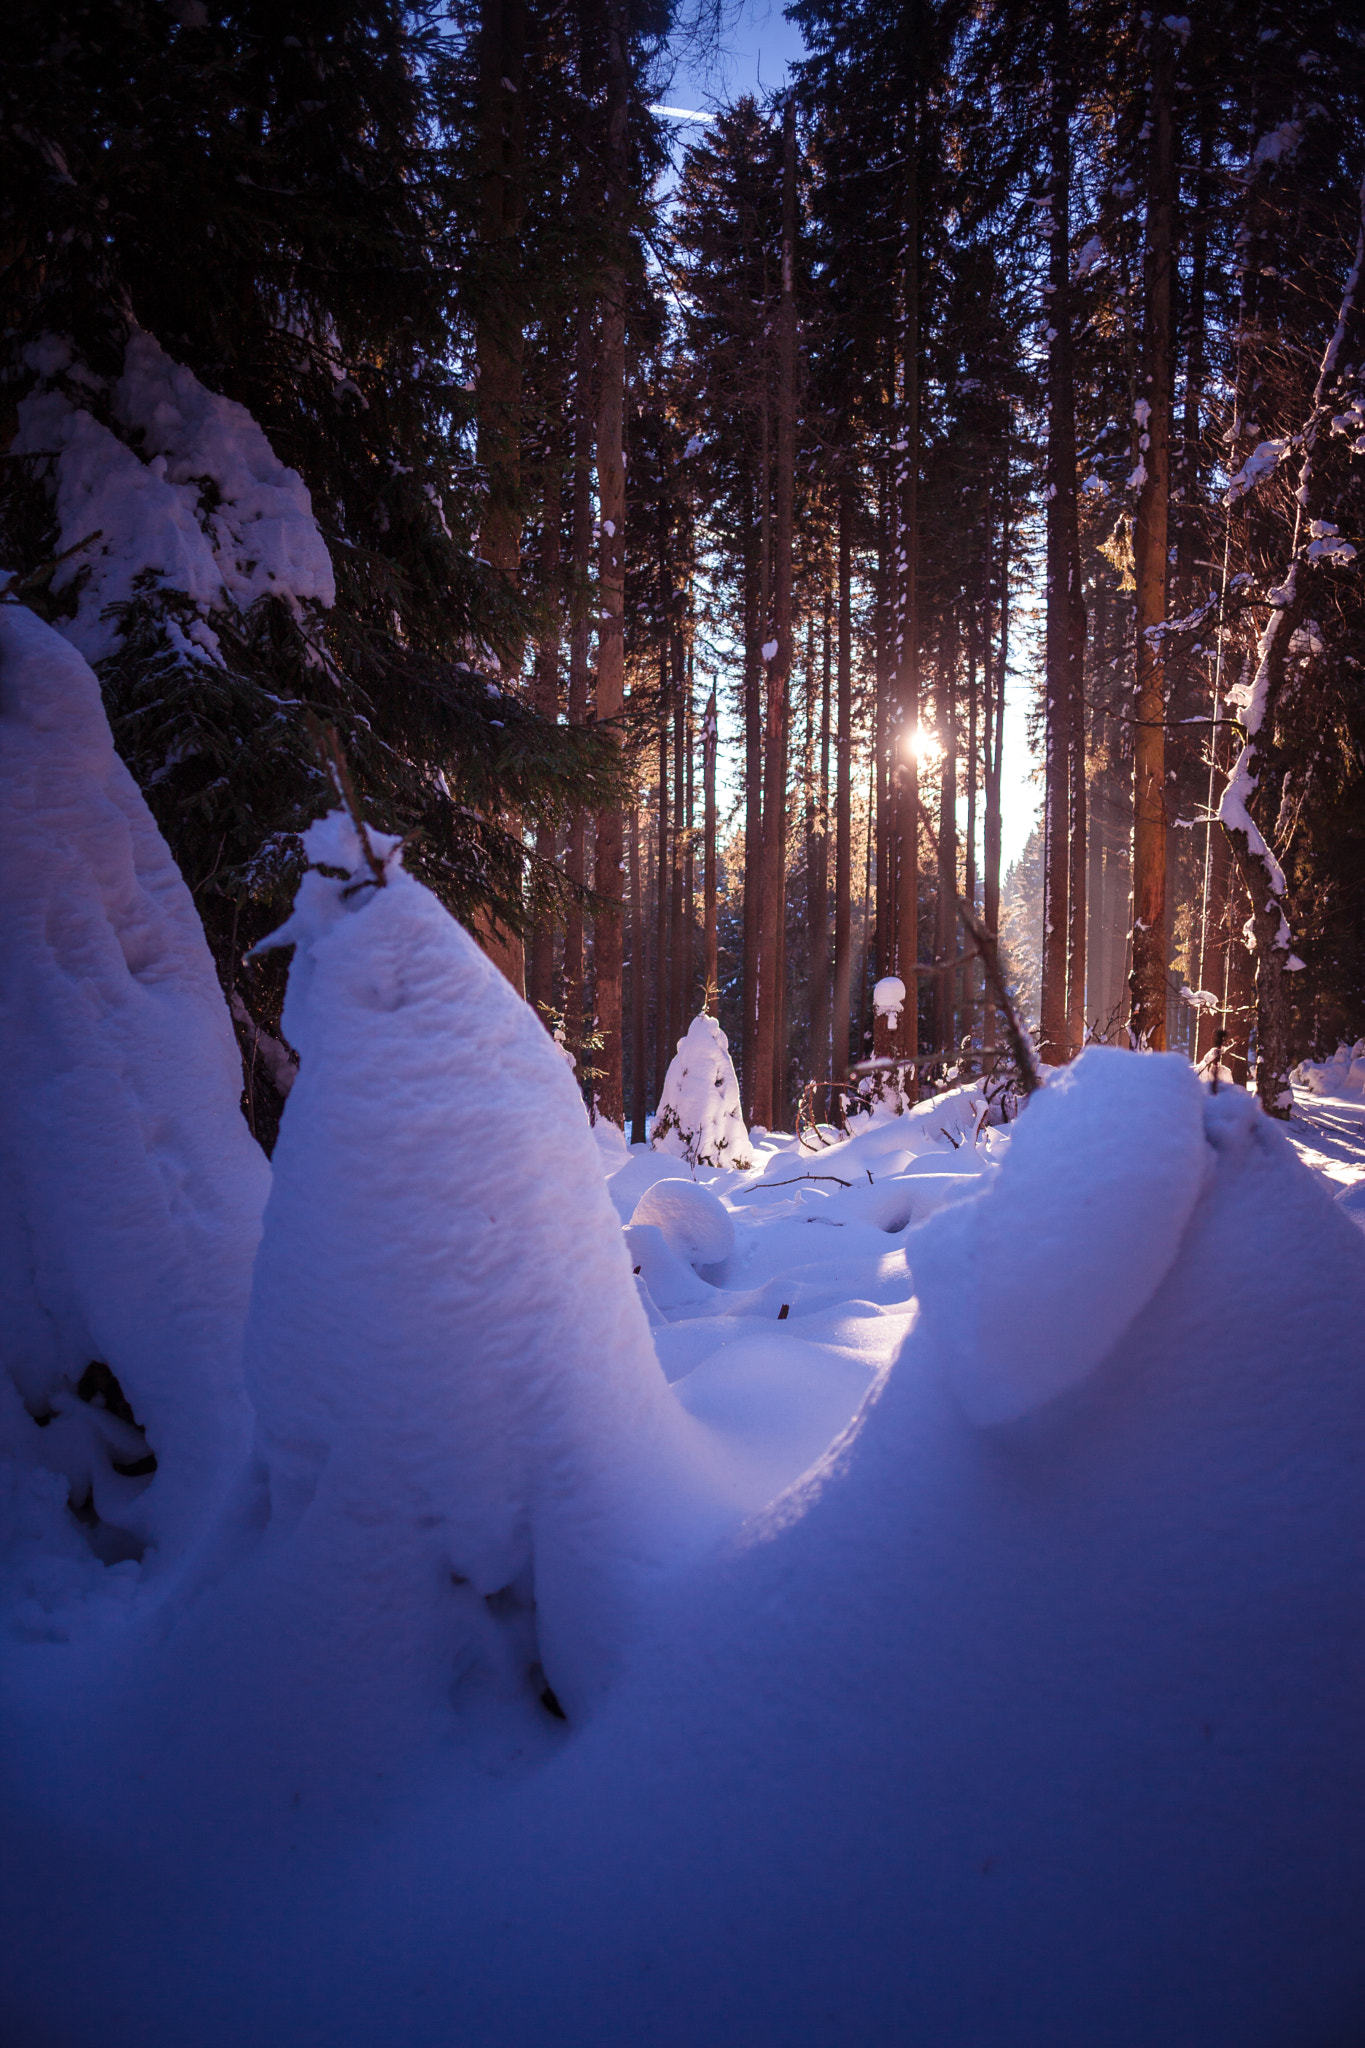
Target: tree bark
817,870
663,1051
995,747
773,914
1147,981
1064,800
753,811
498,346
710,736
638,968
611,497
907,665
540,984
843,793
580,569
677,988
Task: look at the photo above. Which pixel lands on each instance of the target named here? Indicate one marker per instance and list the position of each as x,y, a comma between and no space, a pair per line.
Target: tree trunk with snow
1315,546
1147,982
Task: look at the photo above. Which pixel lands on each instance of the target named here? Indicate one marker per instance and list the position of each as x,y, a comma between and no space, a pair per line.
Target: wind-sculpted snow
1027,1289
130,1189
966,1649
457,1395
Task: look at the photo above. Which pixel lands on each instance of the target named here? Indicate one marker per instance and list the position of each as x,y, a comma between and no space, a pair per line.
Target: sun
924,746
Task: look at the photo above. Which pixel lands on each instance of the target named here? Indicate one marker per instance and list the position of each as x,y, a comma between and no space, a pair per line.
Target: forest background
691,502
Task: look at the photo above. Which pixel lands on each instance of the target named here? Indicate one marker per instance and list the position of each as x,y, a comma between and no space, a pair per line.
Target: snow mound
696,1224
1027,1288
130,1188
194,500
1343,1074
699,1117
452,1372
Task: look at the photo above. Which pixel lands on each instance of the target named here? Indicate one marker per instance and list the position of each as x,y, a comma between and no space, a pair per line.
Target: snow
699,1117
695,1223
1263,460
938,1602
1053,1235
131,1189
1278,145
189,497
888,999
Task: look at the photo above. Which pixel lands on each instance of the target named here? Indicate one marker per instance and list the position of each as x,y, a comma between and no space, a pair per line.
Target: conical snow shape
699,1117
457,1394
130,1188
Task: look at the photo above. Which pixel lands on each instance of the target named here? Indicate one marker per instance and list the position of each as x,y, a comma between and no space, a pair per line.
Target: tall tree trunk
1147,982
773,916
580,569
540,985
663,1049
690,837
1063,584
710,737
907,678
639,952
498,344
1078,838
995,744
817,870
976,621
677,991
753,810
780,1104
611,498
946,927
843,793
881,802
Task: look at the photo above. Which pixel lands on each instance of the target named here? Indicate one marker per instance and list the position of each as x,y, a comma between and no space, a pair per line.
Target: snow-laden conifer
699,1117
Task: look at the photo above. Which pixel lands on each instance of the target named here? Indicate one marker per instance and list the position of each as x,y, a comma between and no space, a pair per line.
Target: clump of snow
130,1188
189,498
1279,145
699,1117
1027,1288
696,1224
1263,460
1342,1074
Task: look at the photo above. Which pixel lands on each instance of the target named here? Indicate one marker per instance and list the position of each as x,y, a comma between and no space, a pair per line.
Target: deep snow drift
965,1647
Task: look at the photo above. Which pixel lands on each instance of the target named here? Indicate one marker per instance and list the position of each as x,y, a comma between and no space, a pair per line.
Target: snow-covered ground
908,1591
1327,1129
